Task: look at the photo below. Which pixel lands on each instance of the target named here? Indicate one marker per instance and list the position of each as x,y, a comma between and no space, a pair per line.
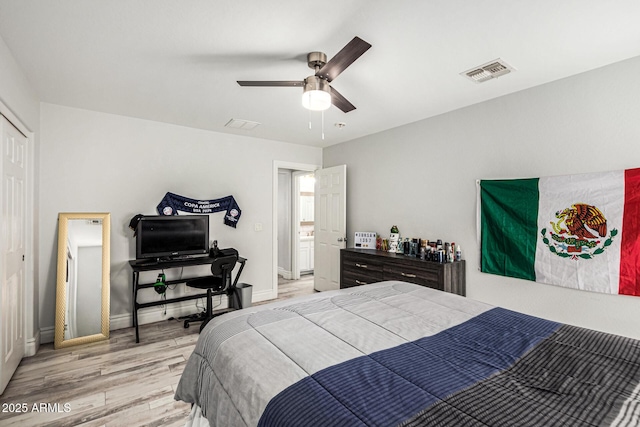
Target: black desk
139,266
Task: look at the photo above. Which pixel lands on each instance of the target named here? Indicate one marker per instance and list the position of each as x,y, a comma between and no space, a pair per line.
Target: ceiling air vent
488,71
241,124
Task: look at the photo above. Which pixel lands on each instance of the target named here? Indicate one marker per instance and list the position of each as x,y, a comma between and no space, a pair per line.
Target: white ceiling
177,61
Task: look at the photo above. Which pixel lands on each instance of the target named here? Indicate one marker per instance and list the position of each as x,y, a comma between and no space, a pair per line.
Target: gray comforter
394,353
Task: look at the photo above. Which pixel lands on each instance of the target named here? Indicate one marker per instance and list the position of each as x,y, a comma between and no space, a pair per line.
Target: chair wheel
186,324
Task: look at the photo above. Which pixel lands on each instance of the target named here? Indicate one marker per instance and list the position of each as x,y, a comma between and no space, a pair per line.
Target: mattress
398,354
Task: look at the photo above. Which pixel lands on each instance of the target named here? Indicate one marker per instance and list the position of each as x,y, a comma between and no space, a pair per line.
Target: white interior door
12,249
330,226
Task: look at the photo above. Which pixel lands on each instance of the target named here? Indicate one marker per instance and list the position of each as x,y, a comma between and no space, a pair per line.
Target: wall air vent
241,124
488,71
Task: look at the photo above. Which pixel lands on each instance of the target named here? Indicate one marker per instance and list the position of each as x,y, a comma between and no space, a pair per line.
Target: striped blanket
397,354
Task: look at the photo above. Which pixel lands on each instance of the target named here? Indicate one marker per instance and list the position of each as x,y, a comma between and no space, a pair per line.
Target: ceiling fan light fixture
317,94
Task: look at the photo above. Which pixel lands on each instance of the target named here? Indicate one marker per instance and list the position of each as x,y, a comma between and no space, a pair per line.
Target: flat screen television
172,236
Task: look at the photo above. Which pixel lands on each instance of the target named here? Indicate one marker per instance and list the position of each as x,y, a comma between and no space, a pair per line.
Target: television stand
184,257
140,265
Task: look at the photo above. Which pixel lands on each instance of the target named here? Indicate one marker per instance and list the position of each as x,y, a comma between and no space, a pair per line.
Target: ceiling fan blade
281,83
352,51
340,101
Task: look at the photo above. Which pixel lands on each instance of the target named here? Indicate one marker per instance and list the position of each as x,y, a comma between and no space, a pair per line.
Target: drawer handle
412,276
361,265
360,283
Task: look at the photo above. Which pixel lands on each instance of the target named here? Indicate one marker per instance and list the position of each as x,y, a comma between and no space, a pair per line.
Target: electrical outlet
257,226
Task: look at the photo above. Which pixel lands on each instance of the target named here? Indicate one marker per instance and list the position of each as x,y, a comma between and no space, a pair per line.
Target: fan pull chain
322,123
309,113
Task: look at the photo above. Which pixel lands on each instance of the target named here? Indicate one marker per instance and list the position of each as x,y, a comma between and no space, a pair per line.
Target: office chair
219,283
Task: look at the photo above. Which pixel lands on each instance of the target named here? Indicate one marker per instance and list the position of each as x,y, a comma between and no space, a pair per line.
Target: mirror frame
61,297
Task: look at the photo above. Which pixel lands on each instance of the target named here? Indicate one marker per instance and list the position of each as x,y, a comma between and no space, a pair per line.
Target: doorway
303,223
293,225
295,232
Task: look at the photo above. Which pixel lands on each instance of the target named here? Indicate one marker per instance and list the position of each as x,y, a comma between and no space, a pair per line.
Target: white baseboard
47,334
285,274
32,345
263,296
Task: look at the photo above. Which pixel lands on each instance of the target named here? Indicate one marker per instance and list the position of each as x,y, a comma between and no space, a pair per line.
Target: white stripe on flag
602,190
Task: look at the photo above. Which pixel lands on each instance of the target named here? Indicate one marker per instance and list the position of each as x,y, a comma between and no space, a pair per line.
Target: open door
330,225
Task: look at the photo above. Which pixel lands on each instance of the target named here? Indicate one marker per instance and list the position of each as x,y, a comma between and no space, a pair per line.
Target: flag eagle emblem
579,232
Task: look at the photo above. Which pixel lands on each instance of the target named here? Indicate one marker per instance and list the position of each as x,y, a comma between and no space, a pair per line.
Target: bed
398,354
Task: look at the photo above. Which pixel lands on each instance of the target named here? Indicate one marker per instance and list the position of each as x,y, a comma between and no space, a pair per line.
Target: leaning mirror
82,292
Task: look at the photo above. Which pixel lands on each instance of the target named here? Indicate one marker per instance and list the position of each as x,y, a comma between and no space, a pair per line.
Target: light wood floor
294,288
111,383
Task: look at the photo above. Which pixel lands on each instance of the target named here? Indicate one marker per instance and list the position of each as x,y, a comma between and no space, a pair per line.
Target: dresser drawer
362,266
355,278
359,269
420,276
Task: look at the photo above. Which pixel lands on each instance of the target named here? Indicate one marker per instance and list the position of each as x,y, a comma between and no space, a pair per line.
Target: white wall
425,176
16,91
19,97
96,162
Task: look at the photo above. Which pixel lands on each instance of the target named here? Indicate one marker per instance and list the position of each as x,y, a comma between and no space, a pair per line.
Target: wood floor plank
115,382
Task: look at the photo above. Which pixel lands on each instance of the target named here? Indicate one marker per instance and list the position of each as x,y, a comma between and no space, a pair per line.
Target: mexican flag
577,231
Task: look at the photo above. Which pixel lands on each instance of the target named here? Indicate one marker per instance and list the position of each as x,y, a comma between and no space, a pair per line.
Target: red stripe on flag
630,246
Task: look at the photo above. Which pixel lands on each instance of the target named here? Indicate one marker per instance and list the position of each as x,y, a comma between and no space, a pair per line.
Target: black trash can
244,293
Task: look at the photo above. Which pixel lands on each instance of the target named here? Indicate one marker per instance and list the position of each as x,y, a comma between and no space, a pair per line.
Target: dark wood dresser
364,266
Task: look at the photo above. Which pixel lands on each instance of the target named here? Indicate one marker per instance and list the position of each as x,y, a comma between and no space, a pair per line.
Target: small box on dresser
361,267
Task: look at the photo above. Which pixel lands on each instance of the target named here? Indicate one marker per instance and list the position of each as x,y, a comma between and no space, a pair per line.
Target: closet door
12,250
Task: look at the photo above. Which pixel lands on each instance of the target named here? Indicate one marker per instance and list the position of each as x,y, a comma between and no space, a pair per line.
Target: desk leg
235,282
135,303
235,296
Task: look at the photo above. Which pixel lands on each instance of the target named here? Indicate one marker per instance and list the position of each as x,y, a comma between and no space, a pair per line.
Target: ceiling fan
317,94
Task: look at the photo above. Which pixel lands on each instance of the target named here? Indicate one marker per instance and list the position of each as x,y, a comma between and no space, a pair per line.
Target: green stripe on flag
509,227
